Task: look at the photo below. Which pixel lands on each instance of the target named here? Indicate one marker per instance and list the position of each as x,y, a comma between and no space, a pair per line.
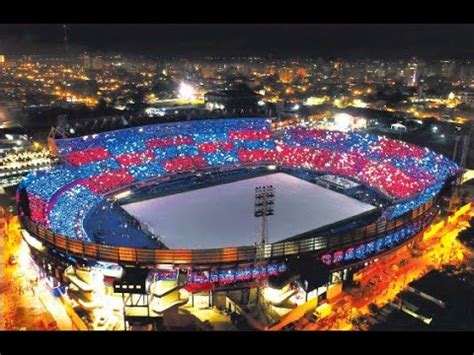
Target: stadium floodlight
186,91
264,207
343,121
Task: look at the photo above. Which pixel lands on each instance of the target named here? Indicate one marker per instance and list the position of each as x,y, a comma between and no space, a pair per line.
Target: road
381,281
26,302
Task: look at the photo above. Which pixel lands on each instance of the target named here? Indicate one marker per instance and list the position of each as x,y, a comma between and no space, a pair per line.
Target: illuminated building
207,72
302,73
467,97
412,74
272,70
286,75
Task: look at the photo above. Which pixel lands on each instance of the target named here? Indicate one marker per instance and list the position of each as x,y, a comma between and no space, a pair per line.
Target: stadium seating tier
94,165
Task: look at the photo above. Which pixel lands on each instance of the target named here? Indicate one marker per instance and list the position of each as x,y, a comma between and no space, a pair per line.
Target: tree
164,89
101,105
138,98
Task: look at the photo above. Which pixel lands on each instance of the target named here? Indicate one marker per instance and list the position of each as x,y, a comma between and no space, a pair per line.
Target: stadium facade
72,215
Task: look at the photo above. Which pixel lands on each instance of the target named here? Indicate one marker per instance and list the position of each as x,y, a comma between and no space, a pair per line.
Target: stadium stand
95,165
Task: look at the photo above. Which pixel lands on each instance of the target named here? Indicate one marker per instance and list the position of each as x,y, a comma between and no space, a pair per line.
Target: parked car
290,326
101,322
311,317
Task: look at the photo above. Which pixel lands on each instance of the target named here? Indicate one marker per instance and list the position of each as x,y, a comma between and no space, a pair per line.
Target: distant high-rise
97,63
92,62
447,68
66,39
2,60
412,74
467,97
87,61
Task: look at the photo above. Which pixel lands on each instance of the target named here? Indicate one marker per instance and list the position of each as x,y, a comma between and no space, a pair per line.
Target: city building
92,62
467,97
412,74
239,99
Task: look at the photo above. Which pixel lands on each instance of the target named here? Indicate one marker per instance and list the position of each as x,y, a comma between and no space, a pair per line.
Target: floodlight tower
264,207
465,147
464,151
66,39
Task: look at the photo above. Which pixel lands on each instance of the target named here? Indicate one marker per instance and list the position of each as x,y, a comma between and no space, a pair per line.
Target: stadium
178,199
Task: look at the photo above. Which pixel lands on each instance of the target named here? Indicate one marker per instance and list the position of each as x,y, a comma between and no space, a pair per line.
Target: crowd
386,242
400,209
107,181
94,165
397,169
87,156
65,216
229,276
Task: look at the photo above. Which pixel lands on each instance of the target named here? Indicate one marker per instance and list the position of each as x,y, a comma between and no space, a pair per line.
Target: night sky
326,40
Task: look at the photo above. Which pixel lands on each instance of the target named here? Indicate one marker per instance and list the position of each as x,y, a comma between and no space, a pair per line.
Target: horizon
355,41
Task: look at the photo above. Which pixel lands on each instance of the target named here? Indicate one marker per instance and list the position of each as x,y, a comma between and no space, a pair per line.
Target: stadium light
186,91
264,207
264,200
343,121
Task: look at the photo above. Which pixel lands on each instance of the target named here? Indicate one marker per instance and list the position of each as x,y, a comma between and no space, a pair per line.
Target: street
381,281
26,302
